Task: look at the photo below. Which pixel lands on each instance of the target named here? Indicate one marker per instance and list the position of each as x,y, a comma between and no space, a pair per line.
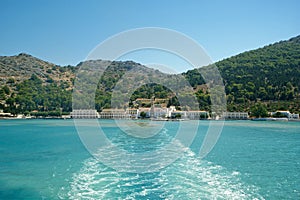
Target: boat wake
187,178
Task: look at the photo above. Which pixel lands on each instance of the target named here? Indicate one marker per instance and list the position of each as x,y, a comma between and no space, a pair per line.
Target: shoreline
164,120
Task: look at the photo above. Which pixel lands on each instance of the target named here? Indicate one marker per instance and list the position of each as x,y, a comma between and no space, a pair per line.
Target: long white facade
235,115
84,114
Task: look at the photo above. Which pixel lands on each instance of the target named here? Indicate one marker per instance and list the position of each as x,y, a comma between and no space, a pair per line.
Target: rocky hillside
21,67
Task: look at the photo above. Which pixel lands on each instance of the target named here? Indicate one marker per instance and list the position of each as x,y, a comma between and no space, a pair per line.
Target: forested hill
28,83
267,74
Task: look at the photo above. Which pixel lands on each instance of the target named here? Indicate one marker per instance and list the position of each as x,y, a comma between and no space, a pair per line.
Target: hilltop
21,67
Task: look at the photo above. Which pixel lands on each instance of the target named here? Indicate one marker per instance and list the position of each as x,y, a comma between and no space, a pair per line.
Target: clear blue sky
65,31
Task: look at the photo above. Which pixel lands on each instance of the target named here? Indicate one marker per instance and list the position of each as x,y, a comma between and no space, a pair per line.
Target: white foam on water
199,179
187,178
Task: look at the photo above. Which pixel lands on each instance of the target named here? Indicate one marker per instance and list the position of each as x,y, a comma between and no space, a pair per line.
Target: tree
10,81
259,110
143,114
35,79
177,116
6,89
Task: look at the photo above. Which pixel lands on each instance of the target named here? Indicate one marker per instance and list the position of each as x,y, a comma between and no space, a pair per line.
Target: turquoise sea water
45,159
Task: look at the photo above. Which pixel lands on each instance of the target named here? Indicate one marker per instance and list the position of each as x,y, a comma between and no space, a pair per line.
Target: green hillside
28,83
268,77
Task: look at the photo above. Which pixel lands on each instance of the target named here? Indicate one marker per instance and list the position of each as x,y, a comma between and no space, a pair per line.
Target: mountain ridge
269,74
